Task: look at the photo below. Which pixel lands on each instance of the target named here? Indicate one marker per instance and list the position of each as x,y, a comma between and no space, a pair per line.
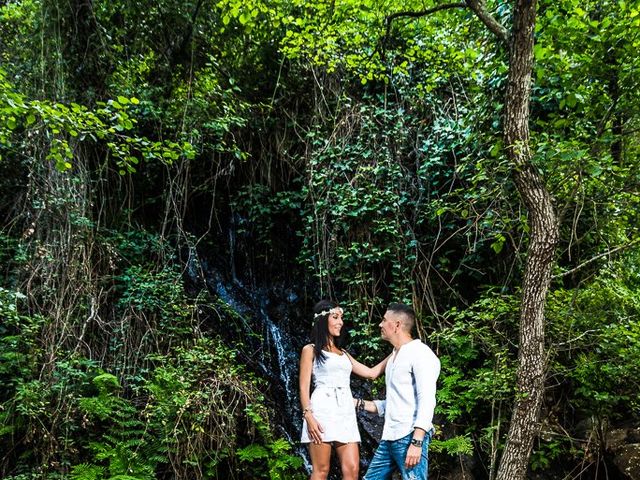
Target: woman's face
335,322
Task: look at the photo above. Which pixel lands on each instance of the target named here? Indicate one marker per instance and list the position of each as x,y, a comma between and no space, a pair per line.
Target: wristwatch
416,443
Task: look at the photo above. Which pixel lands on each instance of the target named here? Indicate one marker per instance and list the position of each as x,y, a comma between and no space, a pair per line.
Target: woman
329,417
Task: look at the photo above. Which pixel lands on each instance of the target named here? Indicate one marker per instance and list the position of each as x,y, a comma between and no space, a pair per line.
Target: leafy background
156,157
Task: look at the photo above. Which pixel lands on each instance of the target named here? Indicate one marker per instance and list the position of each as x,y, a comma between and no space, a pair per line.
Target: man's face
389,325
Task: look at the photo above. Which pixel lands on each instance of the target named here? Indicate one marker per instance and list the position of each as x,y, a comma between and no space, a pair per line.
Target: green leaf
252,452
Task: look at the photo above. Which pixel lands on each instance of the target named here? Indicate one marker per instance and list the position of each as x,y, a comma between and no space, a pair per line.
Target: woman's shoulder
307,354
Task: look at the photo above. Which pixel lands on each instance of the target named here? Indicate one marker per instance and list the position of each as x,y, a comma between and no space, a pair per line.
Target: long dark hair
320,330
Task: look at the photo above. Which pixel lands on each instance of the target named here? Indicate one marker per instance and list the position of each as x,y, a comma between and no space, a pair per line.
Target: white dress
331,400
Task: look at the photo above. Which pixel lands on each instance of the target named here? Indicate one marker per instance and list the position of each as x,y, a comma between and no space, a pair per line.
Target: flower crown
327,312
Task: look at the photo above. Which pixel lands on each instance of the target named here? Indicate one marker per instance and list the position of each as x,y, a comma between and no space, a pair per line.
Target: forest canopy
182,180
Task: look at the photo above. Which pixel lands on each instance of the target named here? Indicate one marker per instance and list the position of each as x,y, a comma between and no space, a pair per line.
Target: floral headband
327,312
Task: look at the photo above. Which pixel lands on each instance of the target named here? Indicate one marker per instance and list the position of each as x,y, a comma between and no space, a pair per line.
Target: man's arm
381,406
426,369
370,406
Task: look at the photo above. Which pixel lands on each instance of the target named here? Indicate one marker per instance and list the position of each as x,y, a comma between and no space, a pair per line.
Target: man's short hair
406,312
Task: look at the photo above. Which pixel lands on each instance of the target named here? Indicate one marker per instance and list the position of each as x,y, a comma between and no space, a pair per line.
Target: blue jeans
390,456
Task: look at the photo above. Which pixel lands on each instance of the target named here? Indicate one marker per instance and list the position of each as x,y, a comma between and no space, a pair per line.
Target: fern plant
272,458
126,446
86,471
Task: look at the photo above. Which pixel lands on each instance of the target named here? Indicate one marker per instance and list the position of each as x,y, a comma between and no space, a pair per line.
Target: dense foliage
154,155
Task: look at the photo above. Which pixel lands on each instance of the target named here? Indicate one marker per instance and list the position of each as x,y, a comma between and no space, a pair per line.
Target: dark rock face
463,470
623,444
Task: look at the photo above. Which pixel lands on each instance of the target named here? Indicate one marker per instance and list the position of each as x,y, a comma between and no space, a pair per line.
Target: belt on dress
336,391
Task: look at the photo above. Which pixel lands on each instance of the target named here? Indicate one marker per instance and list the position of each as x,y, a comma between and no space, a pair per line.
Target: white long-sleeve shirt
410,376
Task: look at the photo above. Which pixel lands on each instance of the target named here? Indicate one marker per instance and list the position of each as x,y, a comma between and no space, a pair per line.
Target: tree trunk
543,230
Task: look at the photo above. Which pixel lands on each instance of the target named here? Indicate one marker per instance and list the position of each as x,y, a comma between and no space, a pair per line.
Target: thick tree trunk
540,255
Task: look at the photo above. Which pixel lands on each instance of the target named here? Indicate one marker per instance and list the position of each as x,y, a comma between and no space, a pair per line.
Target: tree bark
543,230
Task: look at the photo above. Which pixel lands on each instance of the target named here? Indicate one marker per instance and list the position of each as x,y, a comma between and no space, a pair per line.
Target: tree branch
423,13
479,8
593,259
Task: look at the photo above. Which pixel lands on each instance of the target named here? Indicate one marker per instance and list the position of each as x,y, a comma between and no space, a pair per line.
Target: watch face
417,443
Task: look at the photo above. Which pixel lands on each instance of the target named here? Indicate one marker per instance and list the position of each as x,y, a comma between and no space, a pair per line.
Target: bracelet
306,410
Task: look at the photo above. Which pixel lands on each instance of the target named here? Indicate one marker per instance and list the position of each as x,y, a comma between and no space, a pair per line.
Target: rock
623,444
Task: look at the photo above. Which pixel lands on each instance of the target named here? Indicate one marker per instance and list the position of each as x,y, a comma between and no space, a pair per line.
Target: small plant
459,445
272,458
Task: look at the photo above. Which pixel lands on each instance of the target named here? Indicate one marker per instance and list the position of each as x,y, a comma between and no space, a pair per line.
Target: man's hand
413,457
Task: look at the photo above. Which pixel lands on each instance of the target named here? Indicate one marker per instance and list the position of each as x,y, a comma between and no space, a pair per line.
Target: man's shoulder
423,349
419,345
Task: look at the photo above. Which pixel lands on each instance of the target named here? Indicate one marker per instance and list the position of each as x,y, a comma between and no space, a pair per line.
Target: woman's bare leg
349,456
320,460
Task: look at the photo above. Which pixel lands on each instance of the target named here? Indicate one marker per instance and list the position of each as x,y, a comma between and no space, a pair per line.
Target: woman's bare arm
370,373
306,365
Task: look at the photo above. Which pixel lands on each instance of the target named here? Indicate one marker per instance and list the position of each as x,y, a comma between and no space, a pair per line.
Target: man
410,376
